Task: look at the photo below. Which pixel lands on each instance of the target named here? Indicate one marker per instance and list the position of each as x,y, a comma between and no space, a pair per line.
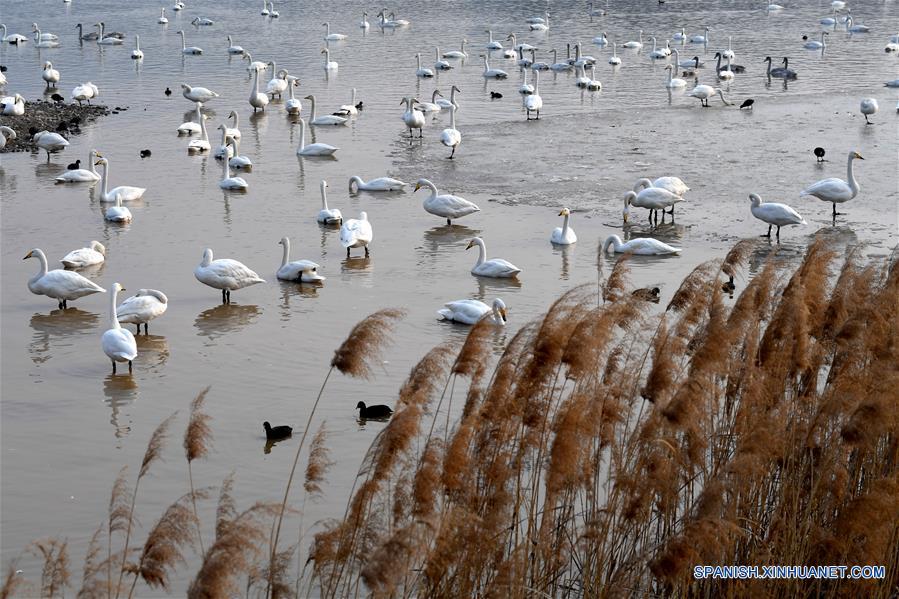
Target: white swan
61,285
533,102
594,84
328,119
444,103
614,59
778,215
202,22
316,149
118,343
237,161
298,271
558,65
137,53
673,82
701,39
431,106
652,198
264,12
680,36
634,45
227,181
357,184
162,20
420,71
601,40
439,63
492,44
192,127
493,73
657,52
256,99
516,46
188,50
118,213
356,233
293,104
856,28
867,107
460,53
563,235
364,24
445,205
234,130
544,26
671,184
496,267
332,37
816,45
6,134
94,254
201,144
253,65
122,193
272,13
225,274
414,119
642,246
50,75
330,65
234,49
197,94
451,137
84,92
525,88
50,142
327,216
704,92
278,83
470,311
729,53
836,191
13,105
41,42
142,307
12,38
581,80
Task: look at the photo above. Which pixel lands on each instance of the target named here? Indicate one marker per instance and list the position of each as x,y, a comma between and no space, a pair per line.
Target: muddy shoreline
40,115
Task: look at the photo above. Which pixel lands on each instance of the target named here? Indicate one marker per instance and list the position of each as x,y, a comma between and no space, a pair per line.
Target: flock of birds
227,275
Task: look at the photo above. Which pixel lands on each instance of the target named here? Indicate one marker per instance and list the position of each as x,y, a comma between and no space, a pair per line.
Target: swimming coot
373,412
275,433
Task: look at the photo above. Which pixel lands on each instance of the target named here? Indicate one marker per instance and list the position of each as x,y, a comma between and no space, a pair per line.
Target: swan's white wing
467,311
293,270
234,274
496,267
778,214
832,189
140,308
673,184
66,284
77,176
648,246
119,345
82,257
656,197
126,192
450,206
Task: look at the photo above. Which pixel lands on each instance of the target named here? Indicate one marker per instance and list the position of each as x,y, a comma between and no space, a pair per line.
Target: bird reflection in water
491,287
269,443
225,318
58,323
565,251
153,350
120,391
291,289
358,264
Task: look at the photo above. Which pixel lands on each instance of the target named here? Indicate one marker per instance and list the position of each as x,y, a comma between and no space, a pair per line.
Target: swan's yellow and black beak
28,255
417,187
503,314
625,217
470,245
859,156
98,163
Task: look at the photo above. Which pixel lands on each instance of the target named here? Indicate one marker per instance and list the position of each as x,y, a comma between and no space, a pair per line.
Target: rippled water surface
68,424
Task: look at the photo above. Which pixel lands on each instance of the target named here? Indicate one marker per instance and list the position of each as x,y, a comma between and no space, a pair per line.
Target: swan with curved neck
118,343
298,271
328,216
61,285
316,149
470,311
495,267
257,100
445,205
834,190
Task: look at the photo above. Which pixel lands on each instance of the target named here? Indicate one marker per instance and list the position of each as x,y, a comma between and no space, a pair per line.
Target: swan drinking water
445,205
356,233
642,246
470,311
225,274
704,92
563,235
142,307
495,267
380,184
836,191
328,216
118,343
316,149
298,271
61,285
777,215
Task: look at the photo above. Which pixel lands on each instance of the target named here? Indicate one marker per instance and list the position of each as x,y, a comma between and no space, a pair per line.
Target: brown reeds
318,464
197,441
55,572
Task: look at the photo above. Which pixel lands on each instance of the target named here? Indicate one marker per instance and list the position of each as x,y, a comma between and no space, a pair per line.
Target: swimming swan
470,311
496,267
88,256
298,271
563,235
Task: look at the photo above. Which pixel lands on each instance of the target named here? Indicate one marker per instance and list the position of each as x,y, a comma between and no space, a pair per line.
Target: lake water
68,425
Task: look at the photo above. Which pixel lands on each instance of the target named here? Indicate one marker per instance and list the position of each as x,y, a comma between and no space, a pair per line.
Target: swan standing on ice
563,235
257,100
50,75
189,50
225,274
445,205
142,307
298,271
380,184
495,267
451,137
83,93
61,285
868,106
197,94
328,216
653,199
533,102
94,254
470,311
672,184
118,343
777,215
50,142
836,191
316,149
642,246
123,193
356,233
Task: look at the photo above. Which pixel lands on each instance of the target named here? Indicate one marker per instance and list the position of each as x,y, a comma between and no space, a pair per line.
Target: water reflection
152,351
300,291
60,324
357,264
489,286
120,391
225,318
566,252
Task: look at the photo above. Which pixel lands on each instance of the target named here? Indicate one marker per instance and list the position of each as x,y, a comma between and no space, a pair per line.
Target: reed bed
608,451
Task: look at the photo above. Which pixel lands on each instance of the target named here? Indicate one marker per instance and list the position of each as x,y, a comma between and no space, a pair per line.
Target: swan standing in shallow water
50,75
50,142
328,119
451,137
189,50
278,83
298,271
496,267
671,184
380,184
704,92
61,285
316,149
642,246
197,94
563,235
533,102
653,199
257,100
414,119
142,307
470,311
356,233
225,274
327,216
122,193
80,258
445,205
81,93
118,343
777,215
836,191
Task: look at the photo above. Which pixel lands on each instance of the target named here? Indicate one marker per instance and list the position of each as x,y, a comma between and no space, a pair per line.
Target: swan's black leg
113,366
449,222
366,252
348,252
129,367
453,153
65,304
223,296
867,122
138,328
768,234
778,233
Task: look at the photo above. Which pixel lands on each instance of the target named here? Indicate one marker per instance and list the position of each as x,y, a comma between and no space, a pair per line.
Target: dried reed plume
93,587
357,353
197,440
55,572
319,462
12,582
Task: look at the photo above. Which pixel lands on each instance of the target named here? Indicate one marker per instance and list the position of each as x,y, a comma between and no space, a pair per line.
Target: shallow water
68,424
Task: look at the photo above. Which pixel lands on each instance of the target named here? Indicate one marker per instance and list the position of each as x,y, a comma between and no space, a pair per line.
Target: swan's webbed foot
768,234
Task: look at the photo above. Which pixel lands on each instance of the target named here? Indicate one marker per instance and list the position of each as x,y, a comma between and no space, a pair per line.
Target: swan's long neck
482,251
353,102
324,197
91,158
285,255
536,83
255,84
312,103
43,268
670,75
432,187
203,128
769,66
486,64
113,317
525,78
183,43
105,181
614,241
850,175
226,170
565,224
453,96
327,29
434,97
